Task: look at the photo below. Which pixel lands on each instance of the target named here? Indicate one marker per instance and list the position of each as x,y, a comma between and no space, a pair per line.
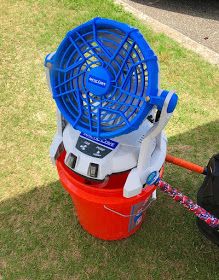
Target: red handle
185,164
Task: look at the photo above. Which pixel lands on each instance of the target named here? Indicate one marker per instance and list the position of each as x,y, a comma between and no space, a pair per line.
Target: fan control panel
95,147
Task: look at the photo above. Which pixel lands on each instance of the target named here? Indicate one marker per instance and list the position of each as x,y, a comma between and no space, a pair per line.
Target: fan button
71,161
93,170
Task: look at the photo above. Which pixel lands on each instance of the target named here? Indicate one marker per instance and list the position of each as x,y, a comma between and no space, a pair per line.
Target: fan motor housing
107,156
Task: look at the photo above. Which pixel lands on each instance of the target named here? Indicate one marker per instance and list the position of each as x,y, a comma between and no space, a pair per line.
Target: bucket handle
132,215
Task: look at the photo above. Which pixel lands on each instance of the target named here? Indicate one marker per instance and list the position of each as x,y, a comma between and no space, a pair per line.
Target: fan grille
122,52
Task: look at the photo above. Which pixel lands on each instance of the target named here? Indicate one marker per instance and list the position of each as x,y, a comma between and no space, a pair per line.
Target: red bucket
100,206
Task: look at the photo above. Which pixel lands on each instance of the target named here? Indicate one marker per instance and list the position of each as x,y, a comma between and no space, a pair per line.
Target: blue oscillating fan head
100,76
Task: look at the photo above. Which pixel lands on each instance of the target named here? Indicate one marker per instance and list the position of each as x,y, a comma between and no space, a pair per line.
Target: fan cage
132,65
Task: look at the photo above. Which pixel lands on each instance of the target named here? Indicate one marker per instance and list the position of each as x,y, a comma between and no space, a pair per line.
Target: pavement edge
208,54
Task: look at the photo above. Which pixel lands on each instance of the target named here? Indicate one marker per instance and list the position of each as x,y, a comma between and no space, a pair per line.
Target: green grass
40,235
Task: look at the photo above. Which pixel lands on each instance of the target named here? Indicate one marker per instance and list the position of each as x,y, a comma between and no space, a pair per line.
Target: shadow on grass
41,238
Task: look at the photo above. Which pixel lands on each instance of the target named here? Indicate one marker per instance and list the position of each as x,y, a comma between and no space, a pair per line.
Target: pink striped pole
199,212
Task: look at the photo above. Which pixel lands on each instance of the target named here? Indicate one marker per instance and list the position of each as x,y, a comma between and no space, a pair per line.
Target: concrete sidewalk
194,23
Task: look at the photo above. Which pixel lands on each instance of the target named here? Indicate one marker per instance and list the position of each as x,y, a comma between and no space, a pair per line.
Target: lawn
40,235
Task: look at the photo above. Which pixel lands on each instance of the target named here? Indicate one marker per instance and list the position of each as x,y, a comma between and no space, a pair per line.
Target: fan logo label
104,142
97,81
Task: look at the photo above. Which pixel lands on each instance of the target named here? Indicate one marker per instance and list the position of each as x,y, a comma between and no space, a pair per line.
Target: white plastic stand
149,160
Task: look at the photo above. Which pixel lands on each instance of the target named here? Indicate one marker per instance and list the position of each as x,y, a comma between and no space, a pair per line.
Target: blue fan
100,77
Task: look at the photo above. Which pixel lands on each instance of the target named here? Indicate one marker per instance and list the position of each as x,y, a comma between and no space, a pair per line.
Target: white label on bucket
136,214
